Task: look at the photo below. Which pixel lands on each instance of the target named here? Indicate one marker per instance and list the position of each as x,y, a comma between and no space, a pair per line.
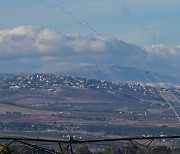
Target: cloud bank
164,51
29,40
37,49
164,58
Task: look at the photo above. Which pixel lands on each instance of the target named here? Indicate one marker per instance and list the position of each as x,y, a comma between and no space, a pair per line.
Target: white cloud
35,41
164,59
30,40
37,49
163,51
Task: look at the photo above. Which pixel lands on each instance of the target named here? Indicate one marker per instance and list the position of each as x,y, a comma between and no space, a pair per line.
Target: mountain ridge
117,73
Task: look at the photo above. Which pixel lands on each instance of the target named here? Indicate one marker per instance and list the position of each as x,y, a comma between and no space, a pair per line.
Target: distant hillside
66,88
82,88
47,98
117,73
7,75
12,75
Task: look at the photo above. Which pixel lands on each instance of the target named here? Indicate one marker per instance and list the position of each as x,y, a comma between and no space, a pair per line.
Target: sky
53,35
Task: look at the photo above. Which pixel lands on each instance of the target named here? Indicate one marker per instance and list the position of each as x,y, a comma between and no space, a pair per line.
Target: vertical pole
71,150
125,150
71,139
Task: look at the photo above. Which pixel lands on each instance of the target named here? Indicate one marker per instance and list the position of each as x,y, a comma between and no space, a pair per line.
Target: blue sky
152,22
52,35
